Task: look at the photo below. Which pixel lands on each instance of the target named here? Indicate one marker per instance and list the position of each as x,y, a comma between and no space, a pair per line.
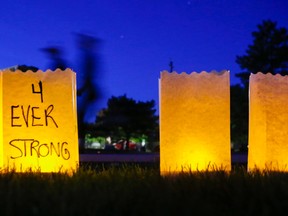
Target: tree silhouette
268,53
124,118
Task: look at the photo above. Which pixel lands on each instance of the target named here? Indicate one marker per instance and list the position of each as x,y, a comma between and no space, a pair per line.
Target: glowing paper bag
38,121
194,121
268,122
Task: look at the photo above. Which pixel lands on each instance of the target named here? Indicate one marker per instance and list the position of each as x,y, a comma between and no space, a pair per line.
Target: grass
132,190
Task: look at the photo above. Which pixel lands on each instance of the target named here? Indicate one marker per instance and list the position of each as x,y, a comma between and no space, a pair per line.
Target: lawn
132,190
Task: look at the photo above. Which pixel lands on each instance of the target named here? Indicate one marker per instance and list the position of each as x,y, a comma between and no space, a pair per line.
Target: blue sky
139,37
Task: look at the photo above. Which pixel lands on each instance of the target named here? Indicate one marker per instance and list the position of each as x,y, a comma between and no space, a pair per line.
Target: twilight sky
139,37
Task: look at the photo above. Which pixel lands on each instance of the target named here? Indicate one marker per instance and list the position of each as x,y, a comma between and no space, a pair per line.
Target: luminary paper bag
194,121
268,122
38,121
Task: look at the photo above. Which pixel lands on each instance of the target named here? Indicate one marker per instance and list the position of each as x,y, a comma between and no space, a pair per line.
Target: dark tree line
124,117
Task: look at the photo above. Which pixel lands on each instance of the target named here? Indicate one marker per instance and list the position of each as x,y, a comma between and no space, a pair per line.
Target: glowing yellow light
268,122
38,121
194,121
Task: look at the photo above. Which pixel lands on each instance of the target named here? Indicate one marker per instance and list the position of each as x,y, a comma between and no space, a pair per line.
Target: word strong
38,121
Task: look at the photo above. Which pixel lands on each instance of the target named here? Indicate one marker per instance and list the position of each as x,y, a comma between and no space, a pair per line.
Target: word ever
32,116
32,147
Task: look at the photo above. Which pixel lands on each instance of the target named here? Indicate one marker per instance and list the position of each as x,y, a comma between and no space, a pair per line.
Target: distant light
143,143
